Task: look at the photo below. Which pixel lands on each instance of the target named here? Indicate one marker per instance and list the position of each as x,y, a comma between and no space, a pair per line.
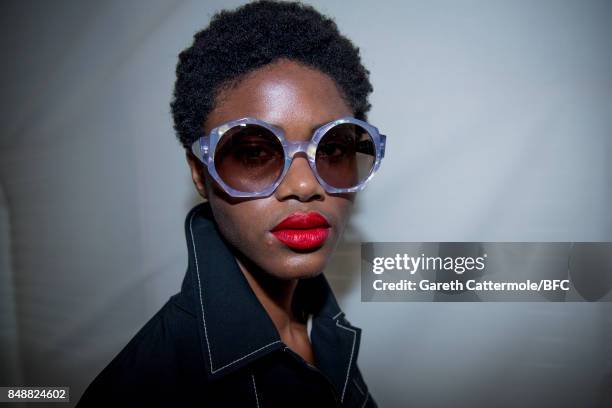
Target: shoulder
164,353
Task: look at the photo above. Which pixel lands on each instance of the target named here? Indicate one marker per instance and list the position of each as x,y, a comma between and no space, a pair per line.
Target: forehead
287,94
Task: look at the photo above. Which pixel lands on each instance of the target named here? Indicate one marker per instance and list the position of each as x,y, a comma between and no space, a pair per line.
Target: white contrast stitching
337,314
245,356
255,389
195,254
348,369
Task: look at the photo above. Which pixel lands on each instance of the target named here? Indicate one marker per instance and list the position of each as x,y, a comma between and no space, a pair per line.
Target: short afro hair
256,34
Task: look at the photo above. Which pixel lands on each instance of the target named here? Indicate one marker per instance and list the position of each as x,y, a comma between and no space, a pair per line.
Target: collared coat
214,345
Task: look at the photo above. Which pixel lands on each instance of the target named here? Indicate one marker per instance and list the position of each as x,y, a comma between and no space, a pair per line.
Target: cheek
342,206
243,224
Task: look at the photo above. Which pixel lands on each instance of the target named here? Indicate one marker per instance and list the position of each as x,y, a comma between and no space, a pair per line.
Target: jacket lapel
233,325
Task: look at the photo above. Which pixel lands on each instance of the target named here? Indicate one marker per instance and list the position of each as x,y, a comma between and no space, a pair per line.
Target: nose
300,182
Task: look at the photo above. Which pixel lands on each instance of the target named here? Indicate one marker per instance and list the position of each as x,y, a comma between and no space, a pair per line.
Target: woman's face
297,99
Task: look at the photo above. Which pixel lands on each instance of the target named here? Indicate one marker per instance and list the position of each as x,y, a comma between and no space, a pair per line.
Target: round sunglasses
249,158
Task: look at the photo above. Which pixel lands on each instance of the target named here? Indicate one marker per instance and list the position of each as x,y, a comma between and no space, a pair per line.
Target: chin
295,271
301,266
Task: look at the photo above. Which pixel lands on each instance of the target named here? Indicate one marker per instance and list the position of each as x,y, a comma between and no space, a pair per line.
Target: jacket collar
234,327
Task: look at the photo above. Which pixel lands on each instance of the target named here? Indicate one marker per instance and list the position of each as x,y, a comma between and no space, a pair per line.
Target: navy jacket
214,345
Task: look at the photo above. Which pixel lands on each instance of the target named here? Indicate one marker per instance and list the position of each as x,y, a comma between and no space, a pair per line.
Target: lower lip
302,238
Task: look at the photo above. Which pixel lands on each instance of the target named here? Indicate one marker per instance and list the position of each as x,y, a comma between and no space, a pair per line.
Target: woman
269,104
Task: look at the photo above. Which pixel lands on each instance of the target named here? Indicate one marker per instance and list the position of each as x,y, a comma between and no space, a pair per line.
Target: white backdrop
498,116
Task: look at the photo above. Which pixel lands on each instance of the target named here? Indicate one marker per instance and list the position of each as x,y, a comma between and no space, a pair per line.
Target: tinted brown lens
249,158
345,155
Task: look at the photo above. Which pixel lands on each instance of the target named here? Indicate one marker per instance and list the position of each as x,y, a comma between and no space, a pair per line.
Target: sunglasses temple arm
200,148
383,143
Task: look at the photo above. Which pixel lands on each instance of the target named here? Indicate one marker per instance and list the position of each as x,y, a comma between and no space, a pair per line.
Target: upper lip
302,220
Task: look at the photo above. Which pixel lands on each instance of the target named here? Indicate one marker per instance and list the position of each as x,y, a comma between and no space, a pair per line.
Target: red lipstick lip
302,221
302,230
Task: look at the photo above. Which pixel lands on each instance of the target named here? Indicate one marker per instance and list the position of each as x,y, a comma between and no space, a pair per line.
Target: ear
197,173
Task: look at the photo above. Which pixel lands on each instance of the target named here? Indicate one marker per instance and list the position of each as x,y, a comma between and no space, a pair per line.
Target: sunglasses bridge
293,148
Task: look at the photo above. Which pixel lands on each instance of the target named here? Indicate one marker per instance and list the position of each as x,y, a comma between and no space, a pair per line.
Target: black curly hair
256,34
